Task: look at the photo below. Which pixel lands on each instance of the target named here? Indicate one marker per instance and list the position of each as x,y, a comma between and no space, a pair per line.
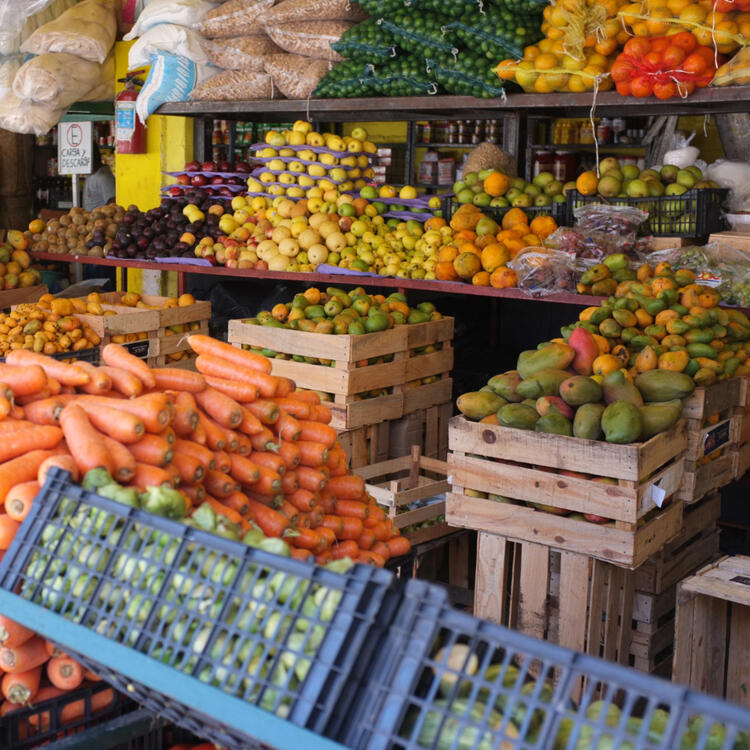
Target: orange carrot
177,379
64,673
381,531
250,424
10,426
371,558
197,451
21,688
270,460
307,397
17,412
335,455
118,356
367,539
317,432
312,454
99,702
241,392
320,413
272,501
266,411
245,447
301,499
195,492
185,414
151,449
304,554
63,372
12,633
379,548
351,487
53,650
289,482
327,502
398,546
349,548
84,441
352,508
377,513
30,654
22,469
308,539
54,386
219,484
18,501
288,428
284,386
271,522
311,479
6,406
243,469
123,461
152,409
44,411
216,440
221,368
263,441
167,434
294,408
42,437
45,393
290,453
224,410
123,381
269,482
91,676
205,345
223,462
237,501
120,425
99,382
199,434
150,476
228,513
233,440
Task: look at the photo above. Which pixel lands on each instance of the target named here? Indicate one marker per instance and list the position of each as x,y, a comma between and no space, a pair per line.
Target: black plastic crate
282,635
558,211
696,213
45,721
501,690
84,355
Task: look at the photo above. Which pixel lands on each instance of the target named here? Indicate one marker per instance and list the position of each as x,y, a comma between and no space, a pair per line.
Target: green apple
481,199
676,188
501,201
629,171
512,194
696,172
553,188
532,190
458,187
669,173
609,186
655,188
485,173
637,189
471,178
522,200
605,165
465,196
518,182
543,179
543,200
686,177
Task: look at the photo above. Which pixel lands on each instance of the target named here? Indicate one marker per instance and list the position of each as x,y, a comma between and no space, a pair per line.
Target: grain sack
295,76
187,13
166,37
105,91
235,18
239,85
314,10
20,116
239,52
87,30
8,69
314,40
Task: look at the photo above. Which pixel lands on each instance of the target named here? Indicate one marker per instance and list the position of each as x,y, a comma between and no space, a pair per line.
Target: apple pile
213,176
491,187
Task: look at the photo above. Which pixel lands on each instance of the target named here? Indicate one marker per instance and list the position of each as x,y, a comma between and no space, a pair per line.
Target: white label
658,495
74,147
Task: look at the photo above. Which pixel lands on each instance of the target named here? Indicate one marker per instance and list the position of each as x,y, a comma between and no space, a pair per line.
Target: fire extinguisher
130,132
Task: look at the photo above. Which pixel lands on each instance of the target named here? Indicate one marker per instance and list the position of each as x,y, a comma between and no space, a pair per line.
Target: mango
622,422
546,403
663,385
659,416
587,423
598,315
676,361
625,318
544,383
610,328
594,274
580,390
604,287
639,342
705,376
646,359
557,356
700,335
702,350
505,385
519,416
477,404
586,349
555,423
656,331
617,387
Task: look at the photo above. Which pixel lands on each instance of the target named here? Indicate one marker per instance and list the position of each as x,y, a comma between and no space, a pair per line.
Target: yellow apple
280,233
267,177
286,152
254,186
274,138
266,152
331,195
289,247
348,161
238,202
369,147
359,133
287,178
335,242
354,146
314,139
302,126
296,166
295,192
305,181
317,254
308,238
386,191
276,190
306,155
227,224
316,170
240,216
337,173
328,159
276,164
296,138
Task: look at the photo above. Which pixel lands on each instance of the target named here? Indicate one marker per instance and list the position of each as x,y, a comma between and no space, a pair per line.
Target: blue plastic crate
197,628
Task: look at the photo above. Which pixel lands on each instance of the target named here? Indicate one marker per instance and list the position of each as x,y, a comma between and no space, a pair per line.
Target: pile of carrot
32,670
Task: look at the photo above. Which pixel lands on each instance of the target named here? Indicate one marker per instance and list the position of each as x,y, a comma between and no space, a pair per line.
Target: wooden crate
712,630
741,457
11,297
507,470
349,375
411,480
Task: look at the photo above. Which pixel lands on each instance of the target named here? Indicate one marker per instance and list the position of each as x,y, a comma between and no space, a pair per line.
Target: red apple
260,265
217,180
183,179
226,191
235,181
593,518
211,191
242,166
175,192
550,509
345,223
209,166
225,166
192,166
198,180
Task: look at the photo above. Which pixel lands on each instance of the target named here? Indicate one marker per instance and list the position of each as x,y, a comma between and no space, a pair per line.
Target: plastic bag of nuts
542,272
295,76
239,85
314,10
314,40
234,18
239,52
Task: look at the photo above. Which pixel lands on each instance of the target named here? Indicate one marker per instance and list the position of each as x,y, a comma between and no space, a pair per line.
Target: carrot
294,408
197,451
379,548
45,393
199,434
308,397
398,546
63,372
17,412
176,379
289,452
64,672
45,694
99,701
91,676
349,548
123,461
250,424
228,513
381,531
85,442
351,487
151,449
241,392
243,469
289,482
266,411
270,460
352,508
21,469
10,426
151,409
377,513
18,501
301,499
285,386
316,432
320,413
120,425
223,462
263,441
28,655
12,633
311,479
216,440
371,558
185,414
327,502
219,484
309,539
99,383
269,481
195,492
53,650
272,501
288,428
224,410
23,380
150,476
312,454
271,522
205,345
303,554
44,411
54,386
233,440
22,687
221,368
123,381
5,406
237,501
39,437
303,519
167,434
118,356
335,456
367,539
245,447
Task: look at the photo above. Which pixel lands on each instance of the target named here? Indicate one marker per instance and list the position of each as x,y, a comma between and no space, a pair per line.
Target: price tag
658,495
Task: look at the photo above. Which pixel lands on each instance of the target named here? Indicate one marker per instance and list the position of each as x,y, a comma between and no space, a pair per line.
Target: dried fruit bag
664,66
736,72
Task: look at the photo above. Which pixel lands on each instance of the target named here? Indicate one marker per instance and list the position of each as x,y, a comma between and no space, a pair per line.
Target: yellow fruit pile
736,72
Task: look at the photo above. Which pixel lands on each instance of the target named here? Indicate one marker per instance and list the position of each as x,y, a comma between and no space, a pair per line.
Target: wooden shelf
586,147
446,145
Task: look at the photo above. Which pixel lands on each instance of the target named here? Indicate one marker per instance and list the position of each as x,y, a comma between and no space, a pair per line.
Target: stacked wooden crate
742,449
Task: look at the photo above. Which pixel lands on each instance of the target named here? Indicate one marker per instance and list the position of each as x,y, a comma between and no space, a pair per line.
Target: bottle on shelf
604,131
544,161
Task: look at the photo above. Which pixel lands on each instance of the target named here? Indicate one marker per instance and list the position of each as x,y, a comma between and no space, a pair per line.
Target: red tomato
641,86
685,40
694,64
638,46
665,90
673,56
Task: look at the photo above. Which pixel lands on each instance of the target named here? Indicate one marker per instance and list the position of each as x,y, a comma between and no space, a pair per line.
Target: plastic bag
734,175
20,18
496,33
235,18
105,90
313,40
542,272
620,221
736,72
87,30
20,116
180,12
558,78
348,79
367,41
239,52
468,76
8,69
237,85
586,245
56,79
295,76
426,35
171,79
166,37
288,11
404,76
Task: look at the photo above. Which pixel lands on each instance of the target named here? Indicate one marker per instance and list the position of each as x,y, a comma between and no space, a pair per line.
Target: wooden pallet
741,460
349,375
712,630
507,471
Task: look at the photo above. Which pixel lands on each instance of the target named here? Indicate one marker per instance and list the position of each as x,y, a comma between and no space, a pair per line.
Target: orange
496,184
493,256
468,247
514,216
465,219
444,271
447,254
606,363
481,278
465,235
587,183
436,222
543,226
467,264
509,234
503,277
515,247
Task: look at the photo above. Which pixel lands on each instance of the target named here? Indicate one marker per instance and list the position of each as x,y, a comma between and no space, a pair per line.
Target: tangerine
467,264
513,217
543,226
587,183
503,277
496,184
481,278
444,271
493,256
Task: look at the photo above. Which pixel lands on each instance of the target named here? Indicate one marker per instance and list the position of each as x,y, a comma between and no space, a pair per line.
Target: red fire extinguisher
130,133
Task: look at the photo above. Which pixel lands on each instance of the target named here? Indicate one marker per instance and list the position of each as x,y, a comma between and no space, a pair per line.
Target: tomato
623,87
685,40
641,86
621,70
665,90
694,64
637,46
673,56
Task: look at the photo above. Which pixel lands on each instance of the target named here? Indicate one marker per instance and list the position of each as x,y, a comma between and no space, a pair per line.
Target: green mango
600,314
664,385
544,383
579,389
659,416
555,423
505,385
417,316
616,387
557,356
610,328
377,321
628,334
622,422
477,405
587,423
519,416
692,367
626,303
699,335
641,342
616,261
624,274
679,309
702,350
